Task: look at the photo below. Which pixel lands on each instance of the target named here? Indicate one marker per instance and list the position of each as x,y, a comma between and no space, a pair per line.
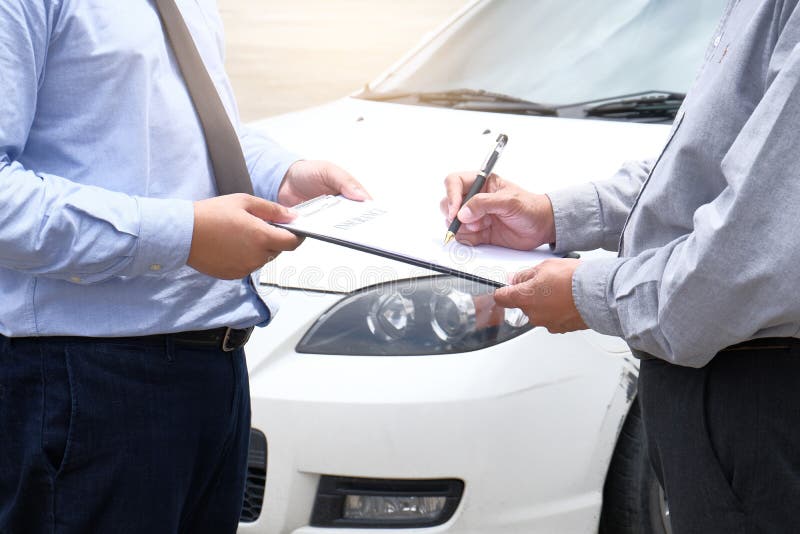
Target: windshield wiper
466,99
653,105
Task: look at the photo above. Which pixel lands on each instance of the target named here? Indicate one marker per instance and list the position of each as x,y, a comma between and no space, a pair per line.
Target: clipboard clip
309,207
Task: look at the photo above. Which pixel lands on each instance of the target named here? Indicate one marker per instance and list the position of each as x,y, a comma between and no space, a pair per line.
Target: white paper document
410,235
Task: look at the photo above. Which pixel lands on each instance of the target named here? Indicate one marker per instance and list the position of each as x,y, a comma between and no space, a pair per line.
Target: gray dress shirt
708,234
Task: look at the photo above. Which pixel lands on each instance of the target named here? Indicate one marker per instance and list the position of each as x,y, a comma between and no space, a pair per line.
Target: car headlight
435,315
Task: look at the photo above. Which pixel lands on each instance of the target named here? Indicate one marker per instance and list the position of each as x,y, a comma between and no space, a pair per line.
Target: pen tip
449,237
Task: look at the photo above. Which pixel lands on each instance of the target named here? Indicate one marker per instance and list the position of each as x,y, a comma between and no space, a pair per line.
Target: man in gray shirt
703,289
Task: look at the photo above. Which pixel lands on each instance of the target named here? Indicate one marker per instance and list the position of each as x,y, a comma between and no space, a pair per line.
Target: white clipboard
407,236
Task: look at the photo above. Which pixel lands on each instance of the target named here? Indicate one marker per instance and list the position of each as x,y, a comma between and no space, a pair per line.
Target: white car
388,397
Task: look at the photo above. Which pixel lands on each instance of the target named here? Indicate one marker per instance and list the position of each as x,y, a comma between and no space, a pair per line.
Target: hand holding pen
477,185
500,213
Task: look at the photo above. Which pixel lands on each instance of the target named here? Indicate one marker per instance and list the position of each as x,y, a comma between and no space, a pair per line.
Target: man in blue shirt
124,279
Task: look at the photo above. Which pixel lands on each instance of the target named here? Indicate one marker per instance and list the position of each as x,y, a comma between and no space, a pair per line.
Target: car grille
256,477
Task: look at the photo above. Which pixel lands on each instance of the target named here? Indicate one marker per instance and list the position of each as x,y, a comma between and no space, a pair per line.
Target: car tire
633,500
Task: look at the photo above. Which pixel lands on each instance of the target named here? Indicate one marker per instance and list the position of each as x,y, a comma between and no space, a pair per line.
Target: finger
444,207
519,294
525,275
471,240
278,239
508,297
269,211
343,182
474,238
479,226
484,204
495,183
455,186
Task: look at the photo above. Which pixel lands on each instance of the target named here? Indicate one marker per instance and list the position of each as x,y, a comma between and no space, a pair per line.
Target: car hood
402,154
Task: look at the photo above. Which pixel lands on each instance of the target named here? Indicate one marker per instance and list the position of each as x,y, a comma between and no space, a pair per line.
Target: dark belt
773,343
226,339
764,343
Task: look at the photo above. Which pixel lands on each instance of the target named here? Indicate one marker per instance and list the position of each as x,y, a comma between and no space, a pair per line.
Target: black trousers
725,439
107,436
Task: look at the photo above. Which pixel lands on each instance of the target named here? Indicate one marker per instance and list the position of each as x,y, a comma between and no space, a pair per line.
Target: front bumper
528,425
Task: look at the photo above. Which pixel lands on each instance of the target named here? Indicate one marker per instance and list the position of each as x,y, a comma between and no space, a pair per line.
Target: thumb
270,211
516,295
507,297
484,204
344,183
355,191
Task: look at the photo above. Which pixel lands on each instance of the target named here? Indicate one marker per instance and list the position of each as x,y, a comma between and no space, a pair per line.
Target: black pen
477,185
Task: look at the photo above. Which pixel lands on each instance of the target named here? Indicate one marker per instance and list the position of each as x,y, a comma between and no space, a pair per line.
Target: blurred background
287,55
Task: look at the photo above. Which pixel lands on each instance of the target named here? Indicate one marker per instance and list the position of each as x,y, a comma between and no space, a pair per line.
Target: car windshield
555,54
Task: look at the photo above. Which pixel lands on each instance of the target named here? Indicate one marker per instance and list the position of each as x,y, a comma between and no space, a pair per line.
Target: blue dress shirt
101,156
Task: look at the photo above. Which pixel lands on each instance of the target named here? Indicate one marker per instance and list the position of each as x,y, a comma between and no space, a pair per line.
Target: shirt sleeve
592,215
736,272
54,227
267,161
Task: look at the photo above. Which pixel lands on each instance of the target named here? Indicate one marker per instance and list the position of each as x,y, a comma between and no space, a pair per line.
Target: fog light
347,502
385,507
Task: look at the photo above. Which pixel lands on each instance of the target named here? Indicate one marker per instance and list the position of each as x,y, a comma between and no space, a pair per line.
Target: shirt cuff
577,217
271,191
268,169
165,235
590,290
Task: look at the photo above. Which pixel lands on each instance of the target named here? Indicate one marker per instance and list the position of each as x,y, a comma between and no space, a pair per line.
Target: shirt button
155,267
717,39
75,279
